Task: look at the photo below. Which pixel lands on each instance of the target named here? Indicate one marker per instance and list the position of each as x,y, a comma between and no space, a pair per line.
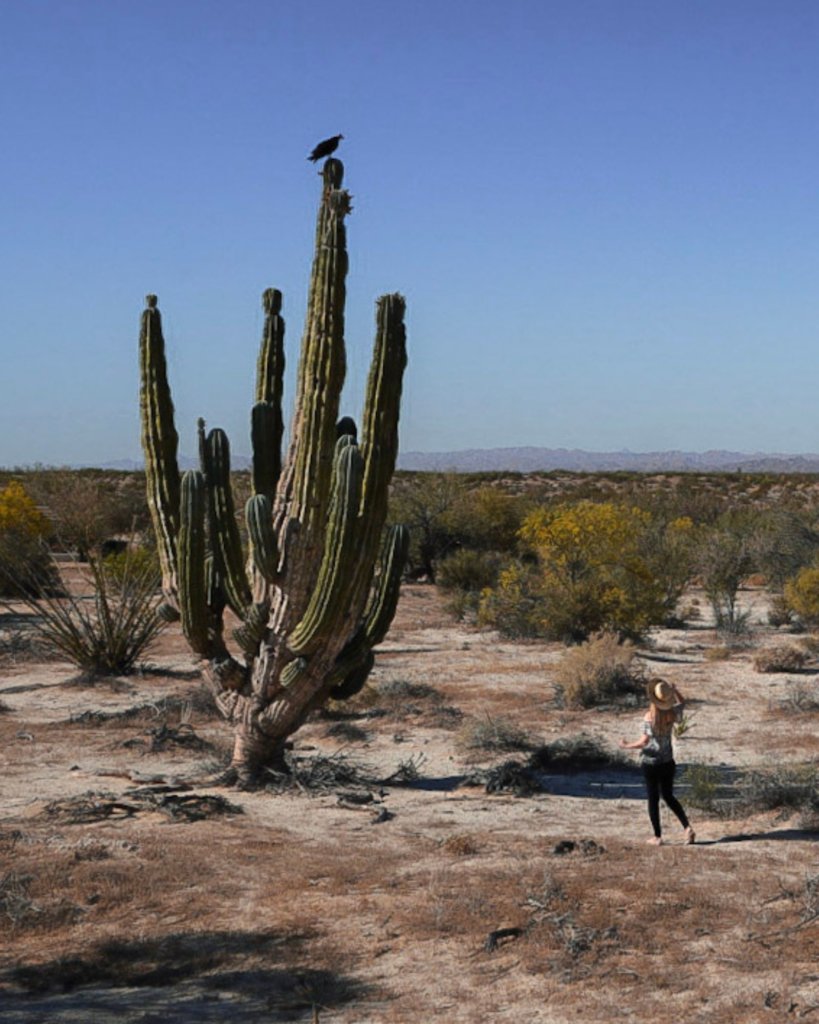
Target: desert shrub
724,560
594,572
470,570
600,671
779,614
722,652
485,518
89,506
108,634
784,787
26,566
493,734
703,783
783,542
800,699
121,567
514,606
802,596
780,658
576,753
425,503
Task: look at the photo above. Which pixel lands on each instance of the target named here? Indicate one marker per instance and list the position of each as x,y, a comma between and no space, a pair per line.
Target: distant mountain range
533,460
541,460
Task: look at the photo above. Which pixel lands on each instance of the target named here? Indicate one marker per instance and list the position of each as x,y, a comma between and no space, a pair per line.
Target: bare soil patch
133,890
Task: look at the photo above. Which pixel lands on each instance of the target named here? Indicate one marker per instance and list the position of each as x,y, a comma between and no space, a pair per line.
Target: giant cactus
318,587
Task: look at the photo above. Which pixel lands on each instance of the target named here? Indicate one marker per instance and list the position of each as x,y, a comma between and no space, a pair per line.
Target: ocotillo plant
318,588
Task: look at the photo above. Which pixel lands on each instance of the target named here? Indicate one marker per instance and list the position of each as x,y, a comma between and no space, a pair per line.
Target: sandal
690,836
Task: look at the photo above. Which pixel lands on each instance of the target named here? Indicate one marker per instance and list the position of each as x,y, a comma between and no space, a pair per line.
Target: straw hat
661,694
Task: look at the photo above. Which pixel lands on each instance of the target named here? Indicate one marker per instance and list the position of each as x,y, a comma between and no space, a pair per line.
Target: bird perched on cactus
325,148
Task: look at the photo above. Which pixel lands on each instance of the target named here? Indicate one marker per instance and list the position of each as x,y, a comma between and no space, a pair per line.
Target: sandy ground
306,906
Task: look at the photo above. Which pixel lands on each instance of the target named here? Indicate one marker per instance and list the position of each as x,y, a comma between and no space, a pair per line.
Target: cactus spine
318,597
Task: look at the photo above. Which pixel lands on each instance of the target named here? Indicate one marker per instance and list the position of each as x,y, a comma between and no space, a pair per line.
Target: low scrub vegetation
488,734
780,658
107,633
600,671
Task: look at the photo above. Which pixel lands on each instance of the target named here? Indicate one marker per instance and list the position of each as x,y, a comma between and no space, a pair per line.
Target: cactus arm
304,491
381,408
159,443
345,678
353,682
265,438
191,562
384,598
227,545
252,631
329,599
380,433
267,425
264,549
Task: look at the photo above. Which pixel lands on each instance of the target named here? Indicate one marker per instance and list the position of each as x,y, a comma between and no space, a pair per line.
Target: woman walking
657,755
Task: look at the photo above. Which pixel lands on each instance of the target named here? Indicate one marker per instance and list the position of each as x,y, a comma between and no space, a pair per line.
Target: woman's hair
662,722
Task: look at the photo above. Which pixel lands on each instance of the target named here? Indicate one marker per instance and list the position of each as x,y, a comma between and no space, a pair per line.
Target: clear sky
604,214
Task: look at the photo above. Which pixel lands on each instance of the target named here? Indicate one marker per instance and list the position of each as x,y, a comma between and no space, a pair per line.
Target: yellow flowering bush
599,566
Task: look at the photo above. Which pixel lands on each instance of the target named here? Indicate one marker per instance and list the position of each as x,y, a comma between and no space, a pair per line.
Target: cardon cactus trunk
317,588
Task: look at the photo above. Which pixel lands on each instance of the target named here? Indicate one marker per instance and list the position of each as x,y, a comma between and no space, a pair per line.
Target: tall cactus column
318,587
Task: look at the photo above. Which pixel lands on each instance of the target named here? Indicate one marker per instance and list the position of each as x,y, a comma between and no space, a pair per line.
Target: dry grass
600,671
780,658
491,735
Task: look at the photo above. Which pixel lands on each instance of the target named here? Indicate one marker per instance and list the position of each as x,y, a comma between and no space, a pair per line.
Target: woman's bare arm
636,745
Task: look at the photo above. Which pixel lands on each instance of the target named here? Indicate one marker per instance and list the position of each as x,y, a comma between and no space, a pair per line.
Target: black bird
325,148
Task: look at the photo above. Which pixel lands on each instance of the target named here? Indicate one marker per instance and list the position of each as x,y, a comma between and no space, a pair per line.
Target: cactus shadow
200,977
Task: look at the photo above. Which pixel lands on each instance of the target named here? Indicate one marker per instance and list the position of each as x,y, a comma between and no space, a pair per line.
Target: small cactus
319,586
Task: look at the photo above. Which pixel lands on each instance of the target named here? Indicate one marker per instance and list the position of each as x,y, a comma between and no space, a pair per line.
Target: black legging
660,783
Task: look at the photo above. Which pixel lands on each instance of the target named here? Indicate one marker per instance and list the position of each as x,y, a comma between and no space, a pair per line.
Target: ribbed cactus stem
267,424
380,428
322,368
225,539
159,443
191,555
384,597
377,618
330,597
263,546
265,440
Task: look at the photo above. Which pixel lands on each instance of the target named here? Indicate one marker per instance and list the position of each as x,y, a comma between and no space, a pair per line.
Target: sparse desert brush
703,782
779,613
801,698
492,734
460,845
109,634
722,652
786,787
576,753
780,658
600,671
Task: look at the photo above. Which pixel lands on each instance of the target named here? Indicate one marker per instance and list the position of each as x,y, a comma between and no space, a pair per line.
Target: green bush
26,566
703,782
124,566
514,606
802,596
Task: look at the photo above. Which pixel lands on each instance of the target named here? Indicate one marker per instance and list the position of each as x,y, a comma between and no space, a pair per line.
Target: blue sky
604,214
